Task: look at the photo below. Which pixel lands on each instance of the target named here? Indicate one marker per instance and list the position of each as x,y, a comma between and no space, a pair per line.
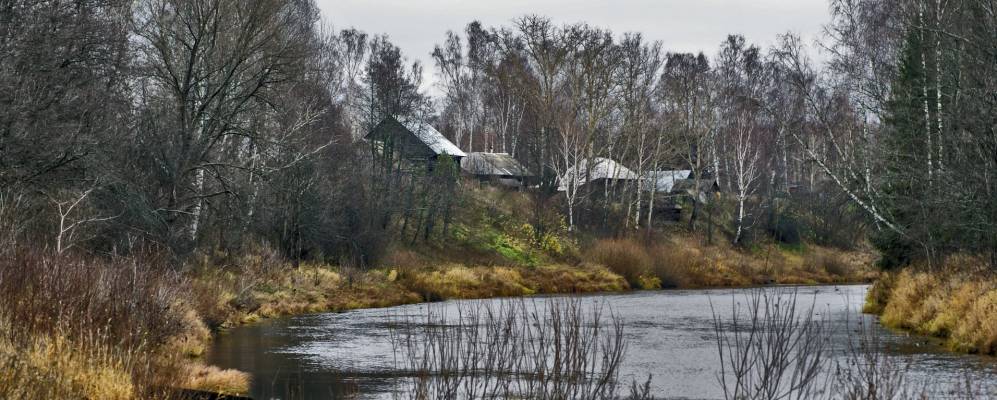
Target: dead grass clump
623,256
977,329
904,309
584,278
462,282
83,327
451,282
829,262
217,380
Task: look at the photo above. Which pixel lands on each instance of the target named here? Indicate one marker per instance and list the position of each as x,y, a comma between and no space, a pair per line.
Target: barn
500,168
413,140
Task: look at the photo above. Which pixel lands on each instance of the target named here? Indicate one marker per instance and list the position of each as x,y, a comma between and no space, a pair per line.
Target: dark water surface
670,335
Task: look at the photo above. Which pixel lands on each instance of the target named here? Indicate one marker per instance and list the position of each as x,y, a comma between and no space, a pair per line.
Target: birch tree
638,80
742,77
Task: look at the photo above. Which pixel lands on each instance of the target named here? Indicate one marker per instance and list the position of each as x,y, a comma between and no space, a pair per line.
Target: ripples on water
670,335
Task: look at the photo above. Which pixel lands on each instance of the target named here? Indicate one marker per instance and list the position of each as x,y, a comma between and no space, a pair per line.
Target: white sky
682,25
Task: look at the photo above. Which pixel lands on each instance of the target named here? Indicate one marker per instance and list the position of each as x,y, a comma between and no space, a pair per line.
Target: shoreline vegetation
954,302
164,321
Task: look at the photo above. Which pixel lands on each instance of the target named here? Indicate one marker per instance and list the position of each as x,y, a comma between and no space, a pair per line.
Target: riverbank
955,302
126,328
256,290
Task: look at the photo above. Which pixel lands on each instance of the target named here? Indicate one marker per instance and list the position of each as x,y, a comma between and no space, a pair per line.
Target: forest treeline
217,125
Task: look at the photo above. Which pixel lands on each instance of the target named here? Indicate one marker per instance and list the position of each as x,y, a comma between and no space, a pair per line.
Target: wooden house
412,140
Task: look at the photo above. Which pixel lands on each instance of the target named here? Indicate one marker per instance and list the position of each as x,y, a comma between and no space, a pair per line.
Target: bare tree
589,91
208,66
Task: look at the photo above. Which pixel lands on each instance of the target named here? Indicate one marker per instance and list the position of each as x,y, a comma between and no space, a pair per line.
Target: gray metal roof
663,181
600,168
493,164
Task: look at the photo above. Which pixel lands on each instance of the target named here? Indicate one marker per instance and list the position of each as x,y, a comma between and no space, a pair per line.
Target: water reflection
670,335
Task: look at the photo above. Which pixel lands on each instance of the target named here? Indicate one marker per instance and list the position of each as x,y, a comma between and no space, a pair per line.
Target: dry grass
214,379
960,307
78,327
53,367
685,261
622,256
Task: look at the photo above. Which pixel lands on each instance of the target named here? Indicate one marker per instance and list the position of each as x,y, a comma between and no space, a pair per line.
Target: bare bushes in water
769,350
773,345
559,349
774,348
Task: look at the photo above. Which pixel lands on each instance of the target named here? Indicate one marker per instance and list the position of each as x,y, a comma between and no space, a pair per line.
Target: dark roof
423,132
493,164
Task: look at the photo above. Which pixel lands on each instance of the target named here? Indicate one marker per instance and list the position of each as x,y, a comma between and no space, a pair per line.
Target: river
669,333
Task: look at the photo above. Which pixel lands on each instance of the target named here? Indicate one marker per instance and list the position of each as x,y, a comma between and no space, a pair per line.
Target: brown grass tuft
217,380
622,256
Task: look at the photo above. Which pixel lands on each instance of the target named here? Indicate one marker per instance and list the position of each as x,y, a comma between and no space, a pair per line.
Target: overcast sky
682,25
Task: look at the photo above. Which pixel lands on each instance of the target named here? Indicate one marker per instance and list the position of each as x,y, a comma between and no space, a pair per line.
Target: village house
413,140
598,171
500,168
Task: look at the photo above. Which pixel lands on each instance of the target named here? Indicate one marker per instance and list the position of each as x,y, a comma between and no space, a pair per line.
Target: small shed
598,170
412,139
497,167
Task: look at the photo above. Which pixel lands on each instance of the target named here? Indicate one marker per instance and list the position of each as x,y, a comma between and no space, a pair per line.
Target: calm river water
670,335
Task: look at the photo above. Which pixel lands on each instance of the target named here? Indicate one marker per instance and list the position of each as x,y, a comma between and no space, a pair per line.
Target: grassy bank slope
686,261
959,307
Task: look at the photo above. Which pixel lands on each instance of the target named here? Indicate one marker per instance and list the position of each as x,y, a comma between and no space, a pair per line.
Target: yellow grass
214,379
53,367
686,261
957,306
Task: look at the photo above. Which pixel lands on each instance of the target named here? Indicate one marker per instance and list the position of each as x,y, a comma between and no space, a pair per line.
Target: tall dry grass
95,328
685,261
947,302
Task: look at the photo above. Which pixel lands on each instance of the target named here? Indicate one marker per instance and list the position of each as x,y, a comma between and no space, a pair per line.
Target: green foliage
511,249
